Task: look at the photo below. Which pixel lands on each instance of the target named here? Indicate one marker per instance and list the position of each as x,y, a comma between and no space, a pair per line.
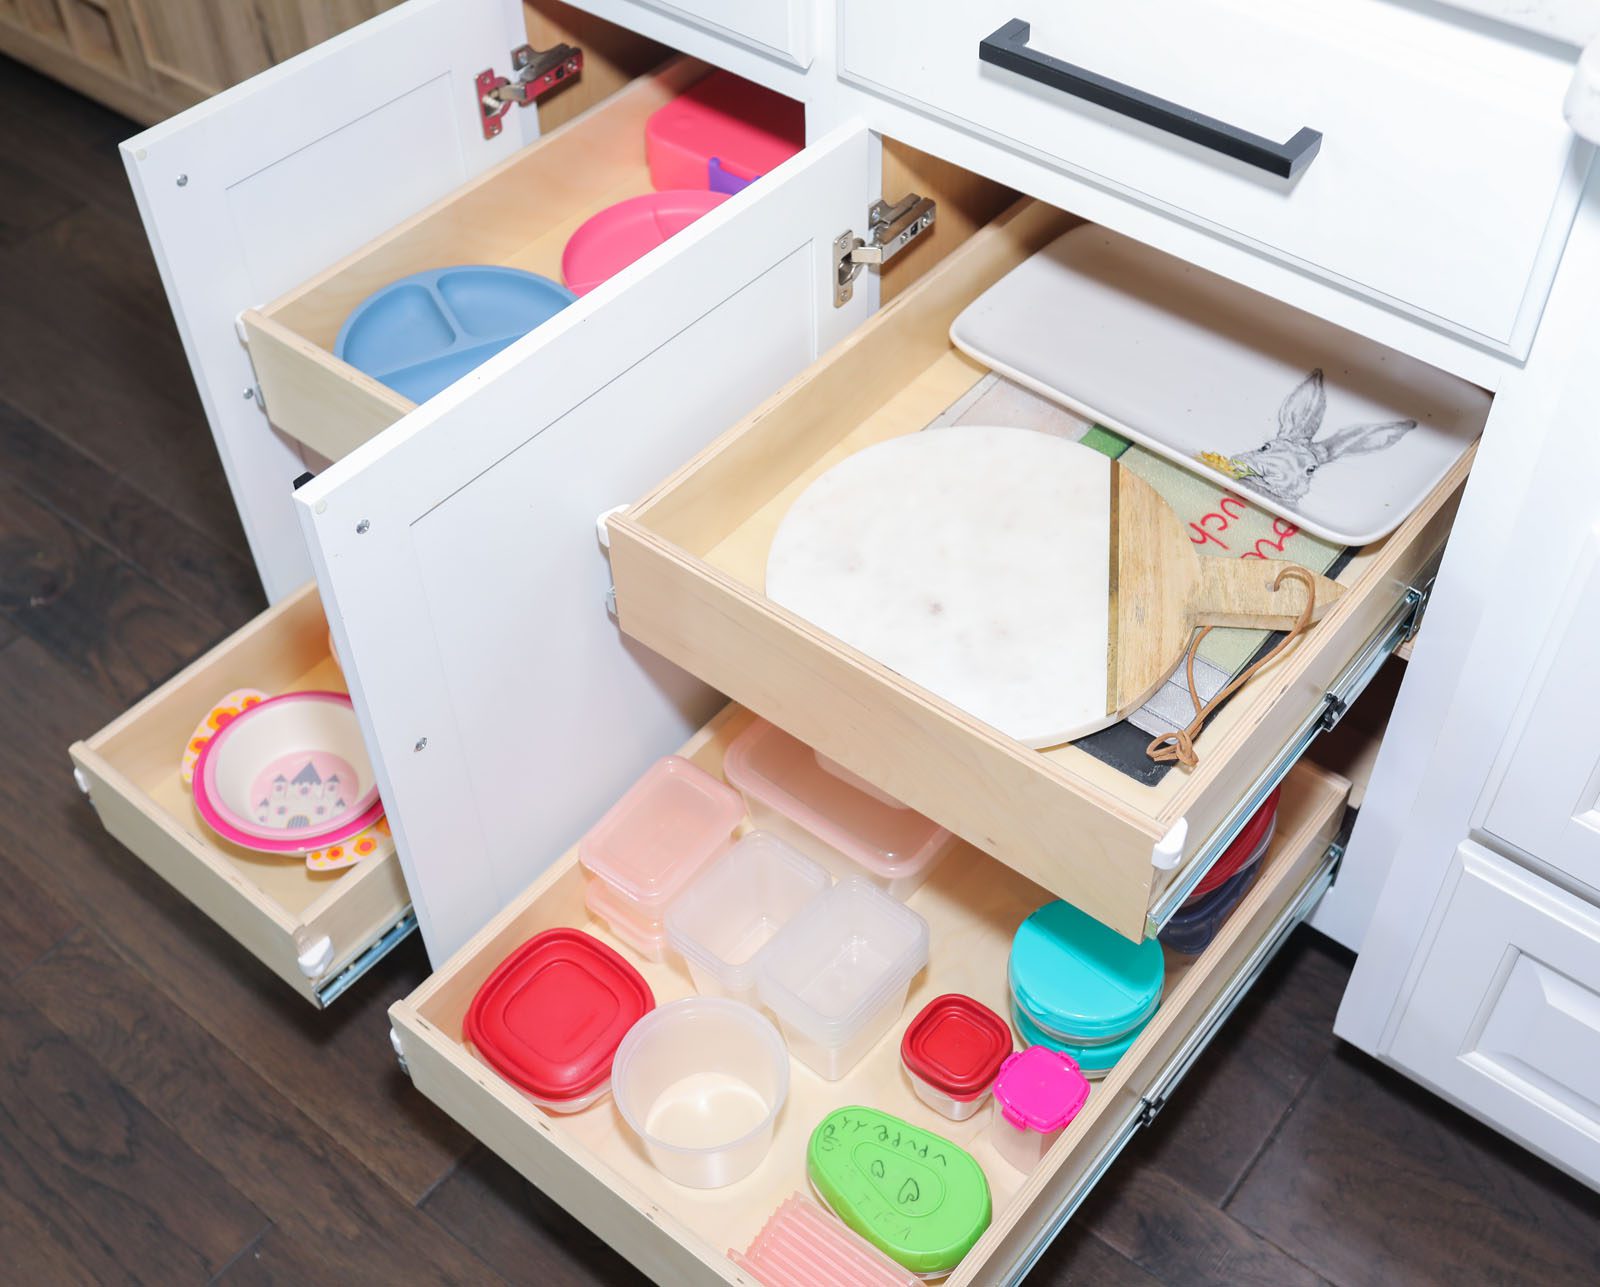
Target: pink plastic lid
1040,1089
784,774
671,822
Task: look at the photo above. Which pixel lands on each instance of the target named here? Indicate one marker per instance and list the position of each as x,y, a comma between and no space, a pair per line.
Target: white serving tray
1337,434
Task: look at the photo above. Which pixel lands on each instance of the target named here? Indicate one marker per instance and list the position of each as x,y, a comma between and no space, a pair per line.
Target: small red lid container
956,1045
1243,847
550,1017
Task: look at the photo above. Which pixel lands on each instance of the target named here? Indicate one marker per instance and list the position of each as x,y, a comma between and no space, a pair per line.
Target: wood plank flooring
170,1113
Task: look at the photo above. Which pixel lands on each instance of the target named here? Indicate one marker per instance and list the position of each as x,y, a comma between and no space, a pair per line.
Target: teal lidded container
1080,987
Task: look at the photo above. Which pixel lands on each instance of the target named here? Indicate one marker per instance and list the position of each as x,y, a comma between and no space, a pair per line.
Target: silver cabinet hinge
534,73
890,229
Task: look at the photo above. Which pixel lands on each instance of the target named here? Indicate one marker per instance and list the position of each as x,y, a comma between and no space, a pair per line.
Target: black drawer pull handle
1008,49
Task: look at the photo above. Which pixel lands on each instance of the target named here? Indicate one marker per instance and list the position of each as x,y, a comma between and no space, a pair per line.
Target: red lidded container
1249,845
953,1051
550,1017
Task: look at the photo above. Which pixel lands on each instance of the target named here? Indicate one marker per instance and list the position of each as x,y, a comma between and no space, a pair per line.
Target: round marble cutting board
1028,580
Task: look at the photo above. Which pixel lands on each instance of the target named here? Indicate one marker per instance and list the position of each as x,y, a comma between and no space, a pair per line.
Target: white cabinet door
1545,795
458,556
252,191
1505,1014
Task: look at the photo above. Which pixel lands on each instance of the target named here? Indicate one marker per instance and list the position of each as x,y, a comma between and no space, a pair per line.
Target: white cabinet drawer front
1444,158
1505,1016
1545,798
777,29
592,1165
306,928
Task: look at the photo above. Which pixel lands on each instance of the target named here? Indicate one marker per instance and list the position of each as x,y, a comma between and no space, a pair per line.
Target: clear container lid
671,822
785,774
736,905
840,958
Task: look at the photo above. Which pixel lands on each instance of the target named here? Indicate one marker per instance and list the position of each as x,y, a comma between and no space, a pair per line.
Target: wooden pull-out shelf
277,908
689,564
518,215
591,1164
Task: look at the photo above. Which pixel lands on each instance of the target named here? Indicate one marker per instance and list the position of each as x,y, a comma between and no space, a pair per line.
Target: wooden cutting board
1028,580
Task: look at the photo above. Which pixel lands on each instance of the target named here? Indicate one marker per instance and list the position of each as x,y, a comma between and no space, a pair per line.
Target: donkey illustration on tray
1283,467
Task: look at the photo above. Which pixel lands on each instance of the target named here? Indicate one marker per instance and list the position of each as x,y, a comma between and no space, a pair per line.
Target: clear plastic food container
952,1051
723,920
836,976
646,935
1037,1094
700,1082
827,812
652,842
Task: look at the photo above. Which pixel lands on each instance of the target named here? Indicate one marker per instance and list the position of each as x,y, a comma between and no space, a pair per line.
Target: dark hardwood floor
170,1113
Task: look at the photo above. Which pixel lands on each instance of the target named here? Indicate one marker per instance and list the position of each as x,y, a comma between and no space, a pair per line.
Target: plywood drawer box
1415,109
689,558
591,1165
518,215
315,931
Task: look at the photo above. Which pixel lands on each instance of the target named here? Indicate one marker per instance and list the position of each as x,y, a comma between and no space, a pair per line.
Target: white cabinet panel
779,30
457,551
1505,1013
1443,147
1545,795
248,193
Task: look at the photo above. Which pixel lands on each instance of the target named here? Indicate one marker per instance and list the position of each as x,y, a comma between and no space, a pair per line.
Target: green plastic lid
1082,979
912,1194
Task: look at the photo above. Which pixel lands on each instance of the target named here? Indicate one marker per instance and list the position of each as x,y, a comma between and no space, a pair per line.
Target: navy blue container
1196,923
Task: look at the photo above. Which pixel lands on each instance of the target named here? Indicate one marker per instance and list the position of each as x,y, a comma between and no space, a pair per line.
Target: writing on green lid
914,1195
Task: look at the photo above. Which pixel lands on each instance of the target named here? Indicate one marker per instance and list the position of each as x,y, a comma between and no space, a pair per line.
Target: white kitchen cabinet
455,550
1544,796
1505,1014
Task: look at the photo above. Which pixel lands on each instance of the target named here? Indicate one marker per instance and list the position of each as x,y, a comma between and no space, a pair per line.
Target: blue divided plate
424,332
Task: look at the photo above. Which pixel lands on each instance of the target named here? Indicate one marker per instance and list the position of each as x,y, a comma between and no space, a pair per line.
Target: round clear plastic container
721,922
830,815
836,976
701,1082
1037,1094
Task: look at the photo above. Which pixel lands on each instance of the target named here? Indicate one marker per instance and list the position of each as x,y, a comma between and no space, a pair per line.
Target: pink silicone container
608,242
722,134
823,811
670,824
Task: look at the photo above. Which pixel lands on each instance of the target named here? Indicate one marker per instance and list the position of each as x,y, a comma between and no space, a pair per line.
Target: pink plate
288,775
608,242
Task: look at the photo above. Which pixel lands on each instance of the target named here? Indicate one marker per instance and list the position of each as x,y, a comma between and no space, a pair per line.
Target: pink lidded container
825,811
650,844
1037,1094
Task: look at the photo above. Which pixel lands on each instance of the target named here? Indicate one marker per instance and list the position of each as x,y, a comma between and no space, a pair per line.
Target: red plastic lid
956,1045
550,1017
1244,845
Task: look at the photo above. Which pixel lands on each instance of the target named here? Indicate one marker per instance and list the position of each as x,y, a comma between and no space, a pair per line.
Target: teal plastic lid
1093,1061
1082,979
